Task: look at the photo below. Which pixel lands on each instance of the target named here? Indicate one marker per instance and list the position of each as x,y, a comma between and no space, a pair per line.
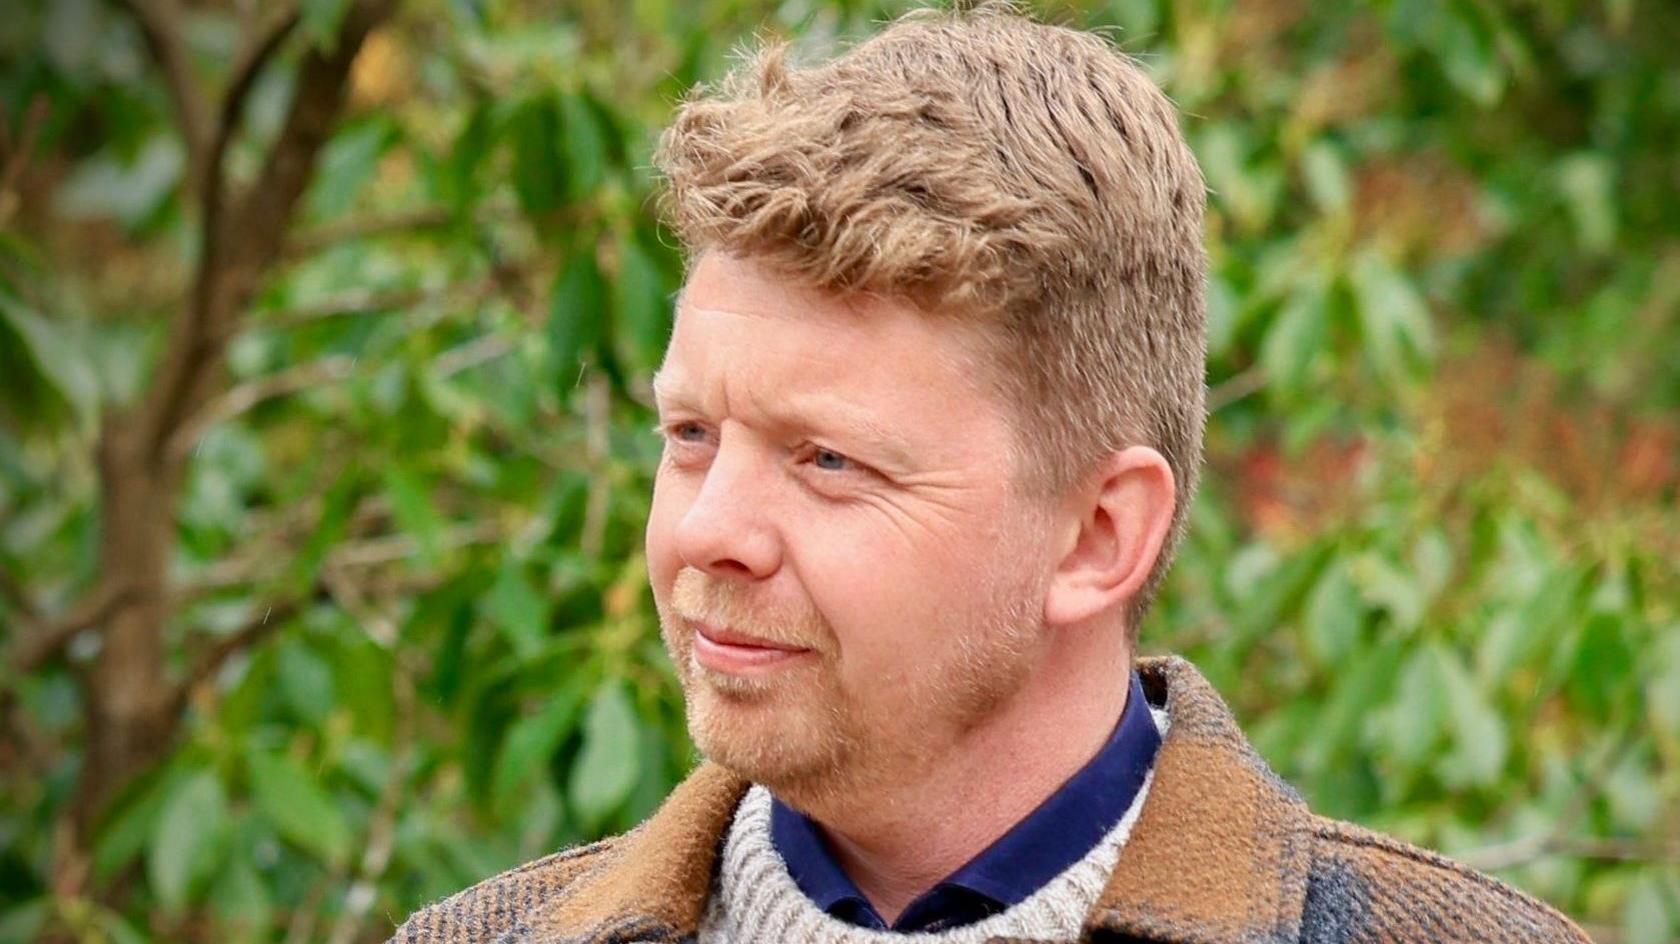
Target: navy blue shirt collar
1058,833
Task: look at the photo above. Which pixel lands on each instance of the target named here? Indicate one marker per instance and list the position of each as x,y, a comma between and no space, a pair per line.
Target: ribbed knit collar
1060,831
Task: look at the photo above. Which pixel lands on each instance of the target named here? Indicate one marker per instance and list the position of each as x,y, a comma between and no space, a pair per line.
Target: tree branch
13,591
259,47
338,367
245,396
363,227
399,547
160,22
49,638
376,302
1522,851
323,82
17,158
1525,851
1252,380
269,618
480,350
272,616
240,239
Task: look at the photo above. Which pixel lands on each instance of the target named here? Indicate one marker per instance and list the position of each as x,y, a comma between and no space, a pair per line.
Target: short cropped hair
980,164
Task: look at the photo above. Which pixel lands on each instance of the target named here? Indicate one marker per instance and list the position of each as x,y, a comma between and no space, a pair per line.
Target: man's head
935,393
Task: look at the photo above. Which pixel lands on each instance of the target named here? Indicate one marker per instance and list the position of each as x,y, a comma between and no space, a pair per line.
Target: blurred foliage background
325,329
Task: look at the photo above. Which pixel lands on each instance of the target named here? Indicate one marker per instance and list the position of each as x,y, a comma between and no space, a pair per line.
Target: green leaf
1603,665
1480,740
297,806
58,374
532,740
1335,615
1412,723
607,767
1646,917
1295,338
1326,177
306,681
1432,562
1242,188
458,172
1393,317
187,839
372,708
518,610
319,20
642,312
538,171
127,191
1357,688
239,895
340,500
118,929
1388,586
1662,686
1633,795
1465,44
585,145
1223,315
1587,183
411,505
576,310
70,39
347,164
130,825
26,921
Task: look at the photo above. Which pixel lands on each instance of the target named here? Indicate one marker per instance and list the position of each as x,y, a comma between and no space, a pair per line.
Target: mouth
721,649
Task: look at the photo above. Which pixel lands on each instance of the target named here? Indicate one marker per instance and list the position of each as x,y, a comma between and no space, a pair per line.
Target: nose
726,532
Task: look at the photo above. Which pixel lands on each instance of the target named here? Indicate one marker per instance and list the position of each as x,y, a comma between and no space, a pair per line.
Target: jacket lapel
654,883
1220,852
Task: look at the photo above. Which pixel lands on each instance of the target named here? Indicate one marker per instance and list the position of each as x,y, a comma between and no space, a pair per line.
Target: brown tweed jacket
1224,852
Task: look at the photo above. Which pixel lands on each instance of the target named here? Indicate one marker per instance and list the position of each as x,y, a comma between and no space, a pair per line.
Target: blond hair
983,165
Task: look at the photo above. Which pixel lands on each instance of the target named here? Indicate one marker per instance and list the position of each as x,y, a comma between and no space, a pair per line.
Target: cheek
891,595
664,514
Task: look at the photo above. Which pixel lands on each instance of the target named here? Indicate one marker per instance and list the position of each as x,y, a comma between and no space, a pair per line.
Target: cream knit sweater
755,901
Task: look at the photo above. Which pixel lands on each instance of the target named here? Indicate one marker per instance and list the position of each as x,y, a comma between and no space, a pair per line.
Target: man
932,410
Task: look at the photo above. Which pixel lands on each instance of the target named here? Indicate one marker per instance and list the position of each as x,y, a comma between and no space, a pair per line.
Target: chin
758,737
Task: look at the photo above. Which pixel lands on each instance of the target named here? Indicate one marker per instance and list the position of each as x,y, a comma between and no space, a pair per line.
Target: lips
724,650
729,637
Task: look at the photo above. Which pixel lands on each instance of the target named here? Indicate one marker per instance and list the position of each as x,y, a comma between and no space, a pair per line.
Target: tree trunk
130,705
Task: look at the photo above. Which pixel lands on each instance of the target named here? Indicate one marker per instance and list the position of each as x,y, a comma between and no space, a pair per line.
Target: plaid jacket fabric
1224,852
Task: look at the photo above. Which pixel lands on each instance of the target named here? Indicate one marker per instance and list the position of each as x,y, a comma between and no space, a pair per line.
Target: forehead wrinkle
825,408
806,410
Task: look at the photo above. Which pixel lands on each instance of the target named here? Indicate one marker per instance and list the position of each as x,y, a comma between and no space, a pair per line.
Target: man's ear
1111,532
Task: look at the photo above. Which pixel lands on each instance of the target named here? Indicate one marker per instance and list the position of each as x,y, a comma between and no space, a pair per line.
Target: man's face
845,579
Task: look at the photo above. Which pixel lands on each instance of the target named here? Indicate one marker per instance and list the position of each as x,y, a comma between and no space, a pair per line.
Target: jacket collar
1219,854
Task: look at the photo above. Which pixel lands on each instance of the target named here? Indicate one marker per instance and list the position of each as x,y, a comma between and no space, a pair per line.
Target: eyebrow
661,380
797,412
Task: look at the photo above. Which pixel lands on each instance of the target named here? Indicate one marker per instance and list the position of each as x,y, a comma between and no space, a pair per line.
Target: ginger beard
813,730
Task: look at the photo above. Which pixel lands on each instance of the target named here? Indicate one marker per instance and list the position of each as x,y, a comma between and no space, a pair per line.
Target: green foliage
1432,565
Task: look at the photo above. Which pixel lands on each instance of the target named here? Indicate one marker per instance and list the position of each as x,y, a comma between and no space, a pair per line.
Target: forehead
735,316
755,344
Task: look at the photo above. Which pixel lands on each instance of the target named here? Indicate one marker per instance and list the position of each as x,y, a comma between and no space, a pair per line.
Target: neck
904,833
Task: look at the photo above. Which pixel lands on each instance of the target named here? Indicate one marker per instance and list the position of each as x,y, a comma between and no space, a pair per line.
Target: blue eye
830,460
678,430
